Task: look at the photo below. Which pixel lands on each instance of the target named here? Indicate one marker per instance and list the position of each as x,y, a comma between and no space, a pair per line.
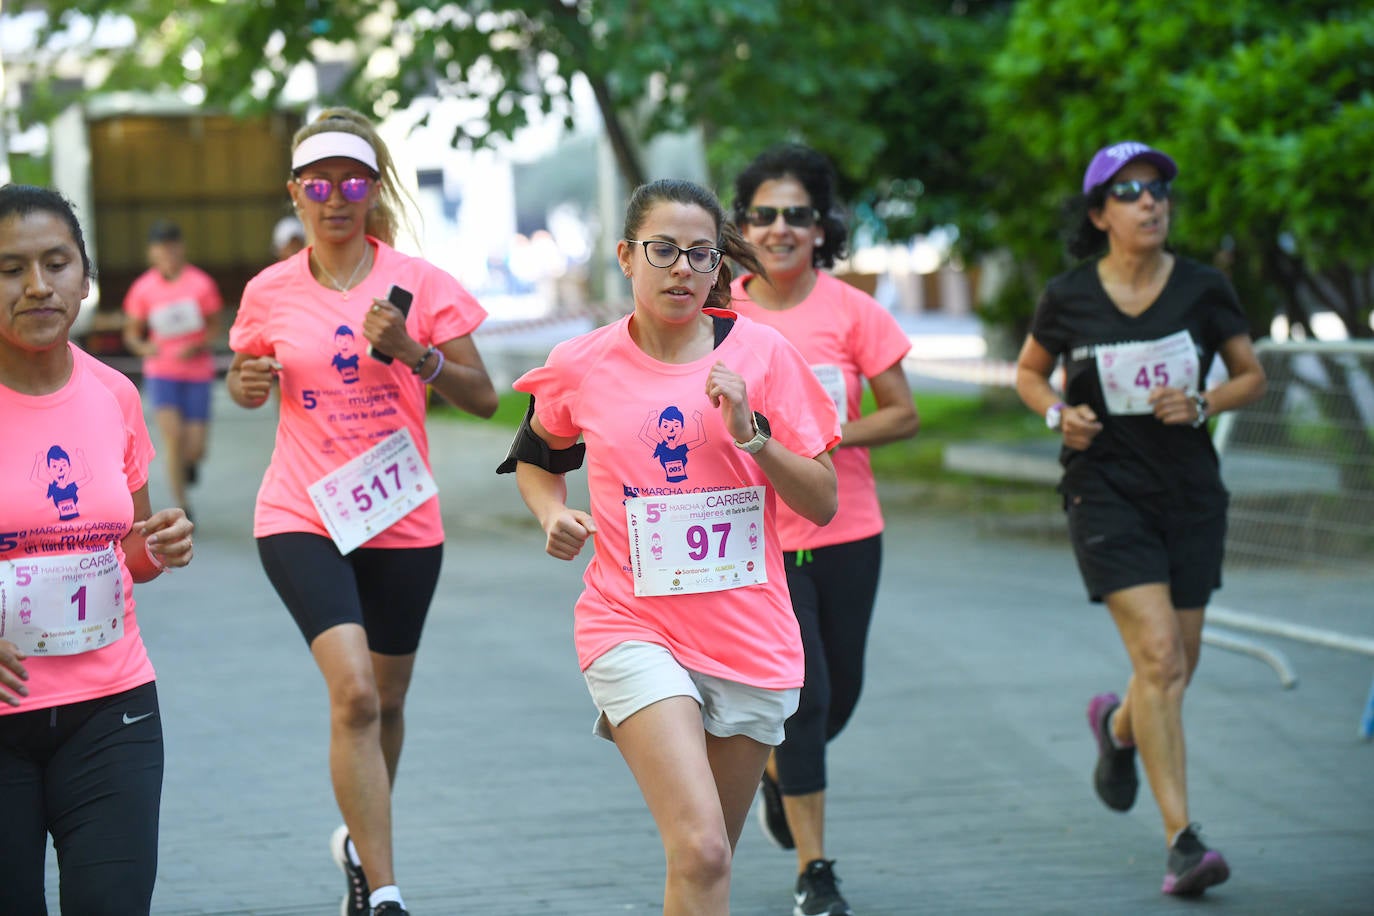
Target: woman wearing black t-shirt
1137,328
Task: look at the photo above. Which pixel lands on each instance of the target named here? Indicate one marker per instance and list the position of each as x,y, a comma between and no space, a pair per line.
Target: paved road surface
962,786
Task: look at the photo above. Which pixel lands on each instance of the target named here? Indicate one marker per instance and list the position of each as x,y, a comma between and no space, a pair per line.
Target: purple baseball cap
1112,159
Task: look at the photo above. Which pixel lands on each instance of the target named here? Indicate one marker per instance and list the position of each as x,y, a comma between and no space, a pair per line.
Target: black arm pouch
529,448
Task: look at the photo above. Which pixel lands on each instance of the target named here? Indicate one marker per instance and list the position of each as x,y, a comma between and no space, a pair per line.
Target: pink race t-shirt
847,337
70,462
650,430
172,309
337,402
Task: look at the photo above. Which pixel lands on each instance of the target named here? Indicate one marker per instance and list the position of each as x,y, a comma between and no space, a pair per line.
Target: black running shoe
772,815
1114,778
818,892
389,908
1192,866
355,902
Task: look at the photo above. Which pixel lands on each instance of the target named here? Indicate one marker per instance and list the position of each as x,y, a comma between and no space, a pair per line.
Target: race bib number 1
62,605
696,542
1130,371
359,500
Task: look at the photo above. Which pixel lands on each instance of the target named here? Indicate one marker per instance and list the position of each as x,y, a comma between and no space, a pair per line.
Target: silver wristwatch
762,433
1200,402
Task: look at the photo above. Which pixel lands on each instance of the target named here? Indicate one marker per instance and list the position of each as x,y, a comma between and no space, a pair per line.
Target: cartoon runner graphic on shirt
56,476
346,360
669,448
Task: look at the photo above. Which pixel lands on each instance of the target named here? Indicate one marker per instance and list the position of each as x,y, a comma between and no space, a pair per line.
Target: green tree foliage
854,83
1268,107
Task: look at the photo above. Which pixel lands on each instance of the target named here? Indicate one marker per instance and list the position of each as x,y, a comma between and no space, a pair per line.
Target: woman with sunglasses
785,201
1138,328
81,750
353,544
684,633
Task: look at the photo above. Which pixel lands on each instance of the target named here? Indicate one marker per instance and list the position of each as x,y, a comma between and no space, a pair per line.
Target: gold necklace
343,287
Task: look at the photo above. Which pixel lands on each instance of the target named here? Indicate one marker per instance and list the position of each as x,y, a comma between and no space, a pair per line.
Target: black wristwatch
762,433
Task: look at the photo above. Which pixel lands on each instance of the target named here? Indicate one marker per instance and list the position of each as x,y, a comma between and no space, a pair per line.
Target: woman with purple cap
1138,328
347,523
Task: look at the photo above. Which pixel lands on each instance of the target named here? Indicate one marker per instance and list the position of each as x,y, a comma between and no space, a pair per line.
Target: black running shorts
1121,542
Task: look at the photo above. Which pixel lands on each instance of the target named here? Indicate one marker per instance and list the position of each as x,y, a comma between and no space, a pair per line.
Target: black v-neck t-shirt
1137,455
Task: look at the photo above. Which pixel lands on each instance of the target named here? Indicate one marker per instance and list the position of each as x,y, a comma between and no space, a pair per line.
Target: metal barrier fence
1300,467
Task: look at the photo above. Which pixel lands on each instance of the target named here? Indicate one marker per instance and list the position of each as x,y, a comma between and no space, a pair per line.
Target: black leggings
90,774
385,591
833,591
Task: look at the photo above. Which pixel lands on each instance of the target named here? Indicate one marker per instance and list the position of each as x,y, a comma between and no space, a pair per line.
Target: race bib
832,380
176,318
359,500
1129,371
62,605
696,542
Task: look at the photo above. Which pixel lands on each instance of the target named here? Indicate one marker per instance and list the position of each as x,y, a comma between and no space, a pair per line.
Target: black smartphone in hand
401,299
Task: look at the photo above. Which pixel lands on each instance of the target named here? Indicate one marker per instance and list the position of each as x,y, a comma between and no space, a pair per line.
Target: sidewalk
963,786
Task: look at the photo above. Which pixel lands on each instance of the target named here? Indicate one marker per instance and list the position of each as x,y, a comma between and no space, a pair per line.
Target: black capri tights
833,591
89,773
386,592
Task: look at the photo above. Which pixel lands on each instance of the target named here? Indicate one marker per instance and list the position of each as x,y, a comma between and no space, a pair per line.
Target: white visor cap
331,144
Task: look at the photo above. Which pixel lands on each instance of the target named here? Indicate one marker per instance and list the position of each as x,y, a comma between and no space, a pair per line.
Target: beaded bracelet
420,363
439,367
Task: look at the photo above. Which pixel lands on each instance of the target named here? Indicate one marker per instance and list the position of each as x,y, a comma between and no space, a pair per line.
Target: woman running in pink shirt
785,202
695,423
81,751
347,521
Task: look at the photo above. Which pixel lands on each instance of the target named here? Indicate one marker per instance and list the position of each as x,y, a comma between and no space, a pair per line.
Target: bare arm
546,495
165,535
893,419
1078,423
1245,385
135,337
250,379
463,381
807,485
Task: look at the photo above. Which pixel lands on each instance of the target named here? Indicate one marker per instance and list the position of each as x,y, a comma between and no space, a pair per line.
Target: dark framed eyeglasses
319,189
1130,191
796,217
703,258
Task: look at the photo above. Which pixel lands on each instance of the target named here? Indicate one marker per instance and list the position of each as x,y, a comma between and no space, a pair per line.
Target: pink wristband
154,559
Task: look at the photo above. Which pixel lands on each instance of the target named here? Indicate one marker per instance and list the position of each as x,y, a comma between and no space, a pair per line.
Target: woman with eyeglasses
1137,328
785,202
697,426
347,522
81,749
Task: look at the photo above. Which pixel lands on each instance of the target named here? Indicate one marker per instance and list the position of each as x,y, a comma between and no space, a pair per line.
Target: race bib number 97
696,542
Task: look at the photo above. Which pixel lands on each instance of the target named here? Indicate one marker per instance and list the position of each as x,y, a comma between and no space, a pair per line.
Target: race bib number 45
62,605
696,542
1130,371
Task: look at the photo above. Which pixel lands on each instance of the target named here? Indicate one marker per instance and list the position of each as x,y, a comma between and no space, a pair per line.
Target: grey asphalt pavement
963,785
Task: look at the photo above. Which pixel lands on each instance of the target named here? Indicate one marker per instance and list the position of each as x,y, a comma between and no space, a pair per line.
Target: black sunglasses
1129,191
797,217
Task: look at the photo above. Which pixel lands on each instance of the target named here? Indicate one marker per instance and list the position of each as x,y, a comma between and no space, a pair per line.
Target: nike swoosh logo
130,720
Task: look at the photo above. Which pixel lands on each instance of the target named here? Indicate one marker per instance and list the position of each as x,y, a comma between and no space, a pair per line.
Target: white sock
353,853
383,894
